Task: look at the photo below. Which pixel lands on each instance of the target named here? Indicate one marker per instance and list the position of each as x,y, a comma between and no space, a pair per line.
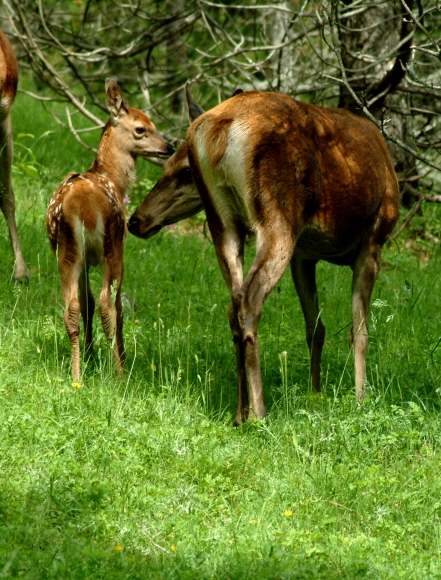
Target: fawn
86,223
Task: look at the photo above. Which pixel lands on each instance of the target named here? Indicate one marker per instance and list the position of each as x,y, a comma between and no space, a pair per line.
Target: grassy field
145,477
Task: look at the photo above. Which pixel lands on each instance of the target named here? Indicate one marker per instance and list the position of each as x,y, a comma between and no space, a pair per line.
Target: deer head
175,196
133,131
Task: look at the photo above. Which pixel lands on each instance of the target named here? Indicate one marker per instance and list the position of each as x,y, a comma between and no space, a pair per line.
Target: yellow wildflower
287,513
173,548
119,548
77,385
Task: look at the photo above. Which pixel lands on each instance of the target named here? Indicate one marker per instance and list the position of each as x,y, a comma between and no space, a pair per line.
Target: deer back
326,170
93,201
84,211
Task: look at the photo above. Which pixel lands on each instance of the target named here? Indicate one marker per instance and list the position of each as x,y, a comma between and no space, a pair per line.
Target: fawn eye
140,130
185,174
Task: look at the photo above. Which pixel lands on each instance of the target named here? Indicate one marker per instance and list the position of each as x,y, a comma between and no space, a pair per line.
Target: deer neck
113,161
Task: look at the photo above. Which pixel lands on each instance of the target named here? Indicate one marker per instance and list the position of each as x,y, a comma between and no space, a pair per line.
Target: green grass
145,477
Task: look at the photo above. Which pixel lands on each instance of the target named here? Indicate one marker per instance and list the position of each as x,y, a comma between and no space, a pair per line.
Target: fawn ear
114,99
194,110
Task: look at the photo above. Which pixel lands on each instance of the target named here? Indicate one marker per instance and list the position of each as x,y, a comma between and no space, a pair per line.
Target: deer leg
69,287
87,304
365,271
272,257
303,274
111,310
120,353
242,391
7,200
234,262
229,248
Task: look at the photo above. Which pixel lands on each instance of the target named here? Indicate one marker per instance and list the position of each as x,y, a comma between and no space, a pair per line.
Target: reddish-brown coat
311,183
86,223
323,168
8,73
8,89
173,198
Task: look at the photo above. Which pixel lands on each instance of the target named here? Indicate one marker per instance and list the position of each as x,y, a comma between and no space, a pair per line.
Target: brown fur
8,89
86,223
312,184
173,198
319,184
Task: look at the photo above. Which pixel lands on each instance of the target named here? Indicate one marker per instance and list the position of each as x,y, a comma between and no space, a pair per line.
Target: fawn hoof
241,417
360,396
21,276
256,416
249,415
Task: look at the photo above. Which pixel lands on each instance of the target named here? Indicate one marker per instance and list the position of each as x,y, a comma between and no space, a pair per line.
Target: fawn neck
114,161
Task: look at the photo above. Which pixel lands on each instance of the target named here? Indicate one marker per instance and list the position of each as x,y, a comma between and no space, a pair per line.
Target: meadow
145,476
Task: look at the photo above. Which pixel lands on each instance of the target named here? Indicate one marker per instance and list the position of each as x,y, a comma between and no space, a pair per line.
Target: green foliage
145,477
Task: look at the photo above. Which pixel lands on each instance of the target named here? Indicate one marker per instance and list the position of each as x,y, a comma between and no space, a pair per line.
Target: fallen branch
408,218
431,197
415,177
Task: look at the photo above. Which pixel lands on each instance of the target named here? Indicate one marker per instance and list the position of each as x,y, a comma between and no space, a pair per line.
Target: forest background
146,477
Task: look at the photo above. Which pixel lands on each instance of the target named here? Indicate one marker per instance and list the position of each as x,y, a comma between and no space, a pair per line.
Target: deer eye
185,174
140,130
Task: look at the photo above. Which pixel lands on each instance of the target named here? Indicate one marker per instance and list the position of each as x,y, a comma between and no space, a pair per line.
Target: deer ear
194,110
114,99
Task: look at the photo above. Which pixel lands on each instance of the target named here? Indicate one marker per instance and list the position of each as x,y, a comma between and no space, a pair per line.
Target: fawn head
133,130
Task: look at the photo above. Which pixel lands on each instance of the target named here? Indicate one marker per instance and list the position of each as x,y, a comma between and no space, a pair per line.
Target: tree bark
375,46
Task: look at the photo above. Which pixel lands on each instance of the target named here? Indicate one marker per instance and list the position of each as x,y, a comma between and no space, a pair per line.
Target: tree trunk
375,44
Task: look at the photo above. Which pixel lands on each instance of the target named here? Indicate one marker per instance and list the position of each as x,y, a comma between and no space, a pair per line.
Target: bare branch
406,222
382,125
358,54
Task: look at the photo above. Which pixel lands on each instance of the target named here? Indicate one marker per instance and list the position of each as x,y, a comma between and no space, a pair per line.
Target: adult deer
86,223
8,90
312,184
